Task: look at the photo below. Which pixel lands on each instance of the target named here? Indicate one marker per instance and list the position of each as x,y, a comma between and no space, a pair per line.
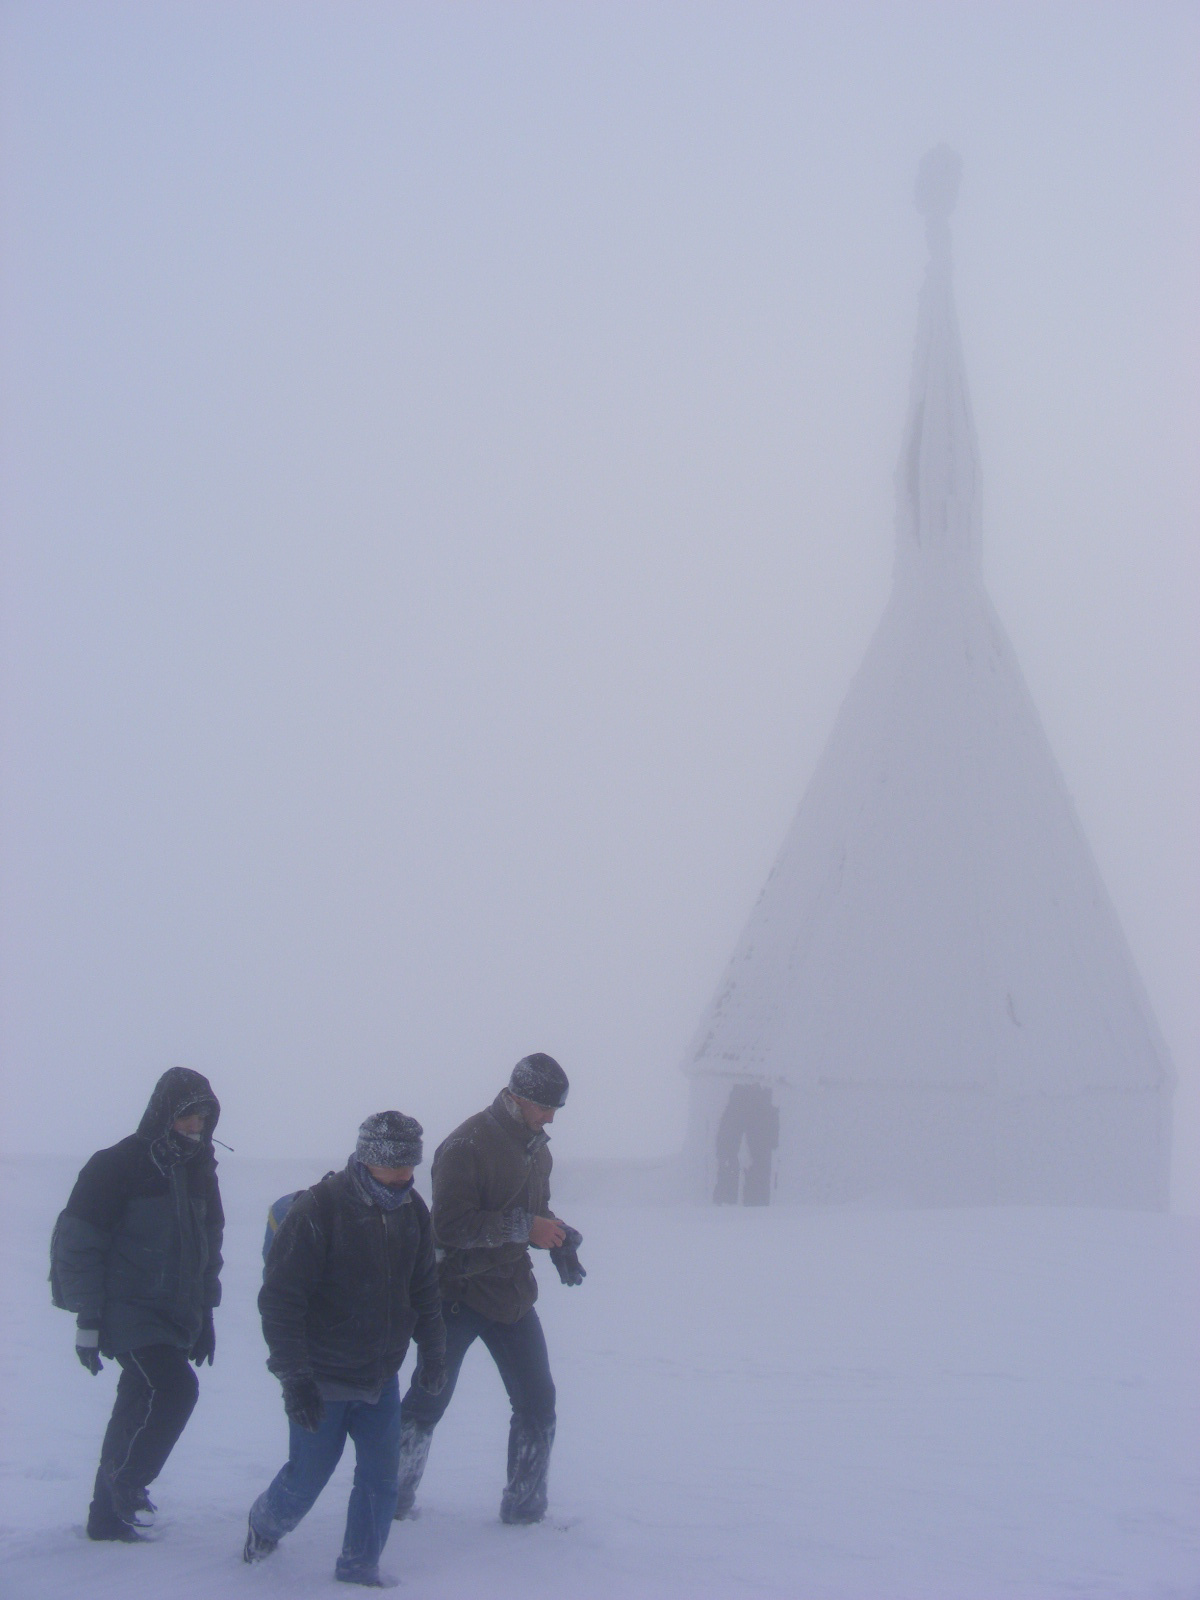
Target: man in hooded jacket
136,1255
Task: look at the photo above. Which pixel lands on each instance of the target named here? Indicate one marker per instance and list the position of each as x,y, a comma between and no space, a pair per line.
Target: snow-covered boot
414,1453
524,1497
257,1547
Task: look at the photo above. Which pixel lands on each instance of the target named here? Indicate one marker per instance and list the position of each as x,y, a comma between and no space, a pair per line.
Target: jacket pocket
144,1263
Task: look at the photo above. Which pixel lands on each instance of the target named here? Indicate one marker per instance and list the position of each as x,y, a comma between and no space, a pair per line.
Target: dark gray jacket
346,1284
137,1251
491,1177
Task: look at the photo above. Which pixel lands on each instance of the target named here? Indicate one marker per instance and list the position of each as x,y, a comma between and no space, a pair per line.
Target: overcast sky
447,490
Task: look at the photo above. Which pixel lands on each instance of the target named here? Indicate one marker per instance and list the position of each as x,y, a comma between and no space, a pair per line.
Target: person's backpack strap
57,1293
275,1215
280,1208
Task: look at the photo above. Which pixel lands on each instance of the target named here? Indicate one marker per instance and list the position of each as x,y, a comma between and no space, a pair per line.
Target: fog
447,489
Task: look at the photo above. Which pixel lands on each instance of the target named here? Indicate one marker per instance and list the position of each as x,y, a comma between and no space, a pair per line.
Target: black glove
87,1348
303,1403
431,1373
566,1261
206,1342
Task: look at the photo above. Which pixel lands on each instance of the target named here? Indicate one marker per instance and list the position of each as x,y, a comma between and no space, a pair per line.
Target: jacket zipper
387,1287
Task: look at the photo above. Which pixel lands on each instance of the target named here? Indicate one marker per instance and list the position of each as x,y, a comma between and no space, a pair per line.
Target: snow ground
821,1404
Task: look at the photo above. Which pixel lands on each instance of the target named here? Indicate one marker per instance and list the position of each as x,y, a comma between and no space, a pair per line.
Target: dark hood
178,1092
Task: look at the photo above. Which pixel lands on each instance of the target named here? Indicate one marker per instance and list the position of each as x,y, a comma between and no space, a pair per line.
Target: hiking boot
517,1516
257,1546
113,1531
524,1497
127,1501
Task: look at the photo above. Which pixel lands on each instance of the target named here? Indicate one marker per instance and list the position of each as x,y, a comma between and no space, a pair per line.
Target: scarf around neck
374,1192
172,1149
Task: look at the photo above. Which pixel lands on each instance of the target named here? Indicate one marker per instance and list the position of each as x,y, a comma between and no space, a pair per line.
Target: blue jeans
519,1351
312,1457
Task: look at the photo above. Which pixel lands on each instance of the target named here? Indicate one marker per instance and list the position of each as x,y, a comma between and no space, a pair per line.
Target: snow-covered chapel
933,1002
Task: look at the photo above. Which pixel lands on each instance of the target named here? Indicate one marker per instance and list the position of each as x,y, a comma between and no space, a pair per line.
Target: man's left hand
206,1343
87,1348
546,1233
565,1259
431,1374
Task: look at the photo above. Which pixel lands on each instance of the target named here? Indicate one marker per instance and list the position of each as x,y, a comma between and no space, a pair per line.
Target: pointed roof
937,479
935,916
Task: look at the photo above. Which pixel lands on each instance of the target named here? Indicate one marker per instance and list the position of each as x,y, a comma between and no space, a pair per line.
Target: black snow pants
155,1395
519,1351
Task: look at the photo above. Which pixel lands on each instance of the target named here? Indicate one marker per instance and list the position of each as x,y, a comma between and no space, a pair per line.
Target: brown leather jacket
491,1177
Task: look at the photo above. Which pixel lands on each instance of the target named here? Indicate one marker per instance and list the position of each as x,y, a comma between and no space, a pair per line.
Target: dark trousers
519,1351
375,1430
155,1395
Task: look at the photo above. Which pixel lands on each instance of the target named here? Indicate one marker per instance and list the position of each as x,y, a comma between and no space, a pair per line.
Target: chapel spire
937,478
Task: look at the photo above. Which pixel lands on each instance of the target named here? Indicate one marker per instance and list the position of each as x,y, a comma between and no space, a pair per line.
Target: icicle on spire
937,479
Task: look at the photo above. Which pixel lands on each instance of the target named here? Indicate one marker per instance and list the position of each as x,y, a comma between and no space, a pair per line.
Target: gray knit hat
389,1139
539,1078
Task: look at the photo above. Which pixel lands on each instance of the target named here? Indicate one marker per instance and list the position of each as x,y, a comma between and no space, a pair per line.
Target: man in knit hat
491,1201
349,1278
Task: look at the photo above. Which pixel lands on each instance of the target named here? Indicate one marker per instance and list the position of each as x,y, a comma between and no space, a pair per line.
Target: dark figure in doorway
749,1115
